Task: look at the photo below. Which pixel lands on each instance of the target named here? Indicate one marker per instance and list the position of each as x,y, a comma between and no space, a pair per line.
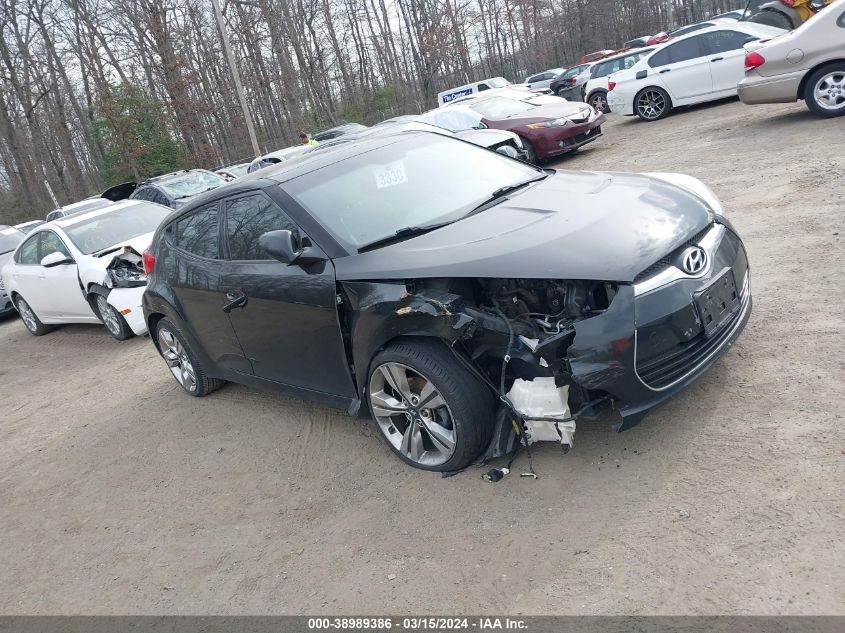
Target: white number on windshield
390,175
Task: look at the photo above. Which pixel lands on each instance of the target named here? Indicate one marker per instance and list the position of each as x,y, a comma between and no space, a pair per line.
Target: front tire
30,319
652,104
431,411
182,362
112,319
530,152
824,92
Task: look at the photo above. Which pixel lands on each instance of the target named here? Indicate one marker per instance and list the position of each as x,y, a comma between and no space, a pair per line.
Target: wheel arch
802,86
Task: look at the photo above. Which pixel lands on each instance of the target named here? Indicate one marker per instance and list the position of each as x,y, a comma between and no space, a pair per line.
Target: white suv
703,66
596,89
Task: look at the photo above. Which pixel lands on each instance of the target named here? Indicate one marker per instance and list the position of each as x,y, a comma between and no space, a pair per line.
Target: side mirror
55,259
283,246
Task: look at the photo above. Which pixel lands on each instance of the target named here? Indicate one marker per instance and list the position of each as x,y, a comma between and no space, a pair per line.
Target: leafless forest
96,91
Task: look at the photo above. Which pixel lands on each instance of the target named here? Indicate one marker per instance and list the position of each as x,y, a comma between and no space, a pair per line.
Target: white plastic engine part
540,398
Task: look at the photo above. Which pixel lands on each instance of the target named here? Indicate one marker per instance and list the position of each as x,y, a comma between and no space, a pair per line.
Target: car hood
572,225
486,138
138,244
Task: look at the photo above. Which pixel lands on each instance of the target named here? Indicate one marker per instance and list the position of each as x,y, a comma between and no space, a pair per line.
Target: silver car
10,237
543,79
803,64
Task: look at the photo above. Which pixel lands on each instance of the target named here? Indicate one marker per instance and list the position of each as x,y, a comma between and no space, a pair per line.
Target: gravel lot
119,494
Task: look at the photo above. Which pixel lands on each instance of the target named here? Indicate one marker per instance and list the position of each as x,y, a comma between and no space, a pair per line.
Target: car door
684,69
54,292
287,322
195,276
726,58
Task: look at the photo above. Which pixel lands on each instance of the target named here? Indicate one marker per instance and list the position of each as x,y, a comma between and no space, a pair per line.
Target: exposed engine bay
515,335
125,270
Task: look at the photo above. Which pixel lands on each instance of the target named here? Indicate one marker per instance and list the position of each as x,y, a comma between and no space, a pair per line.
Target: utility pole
236,77
50,191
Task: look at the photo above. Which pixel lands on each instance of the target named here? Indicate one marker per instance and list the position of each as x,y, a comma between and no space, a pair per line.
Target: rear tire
652,104
431,411
824,92
30,319
182,362
598,100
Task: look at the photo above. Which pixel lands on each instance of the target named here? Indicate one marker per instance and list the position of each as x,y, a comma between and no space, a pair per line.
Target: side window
481,87
51,243
841,21
685,50
724,41
158,197
247,218
143,193
660,58
198,232
28,254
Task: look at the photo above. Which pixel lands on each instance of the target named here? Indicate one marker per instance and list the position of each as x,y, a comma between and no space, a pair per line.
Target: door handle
236,298
717,59
665,70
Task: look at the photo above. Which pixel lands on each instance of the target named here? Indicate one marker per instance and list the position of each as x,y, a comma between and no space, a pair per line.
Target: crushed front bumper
655,339
128,301
554,141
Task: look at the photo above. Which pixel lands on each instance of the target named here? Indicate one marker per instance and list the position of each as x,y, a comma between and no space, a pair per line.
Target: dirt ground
120,494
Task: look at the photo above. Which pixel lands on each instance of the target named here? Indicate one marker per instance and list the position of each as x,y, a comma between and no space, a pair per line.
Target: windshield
420,180
500,107
114,227
190,184
9,239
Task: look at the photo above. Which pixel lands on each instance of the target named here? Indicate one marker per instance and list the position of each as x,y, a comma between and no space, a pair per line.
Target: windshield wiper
501,192
402,234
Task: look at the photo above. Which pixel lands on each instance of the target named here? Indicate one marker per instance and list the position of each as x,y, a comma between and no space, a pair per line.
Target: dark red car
548,126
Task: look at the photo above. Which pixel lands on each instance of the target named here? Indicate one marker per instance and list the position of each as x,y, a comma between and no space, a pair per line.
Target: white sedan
704,65
86,268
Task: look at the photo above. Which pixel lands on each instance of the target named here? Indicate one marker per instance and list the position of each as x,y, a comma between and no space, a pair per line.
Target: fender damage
118,274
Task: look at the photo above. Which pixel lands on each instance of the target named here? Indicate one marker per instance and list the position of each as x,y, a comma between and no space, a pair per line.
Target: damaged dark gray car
468,302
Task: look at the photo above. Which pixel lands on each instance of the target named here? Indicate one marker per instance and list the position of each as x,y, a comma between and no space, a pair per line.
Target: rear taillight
573,81
753,60
611,85
149,261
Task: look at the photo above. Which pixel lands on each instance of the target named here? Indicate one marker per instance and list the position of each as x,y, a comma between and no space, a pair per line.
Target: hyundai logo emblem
694,260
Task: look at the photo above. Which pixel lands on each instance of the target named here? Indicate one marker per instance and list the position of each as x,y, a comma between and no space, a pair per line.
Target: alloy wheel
599,102
109,316
27,315
651,104
177,360
412,414
829,91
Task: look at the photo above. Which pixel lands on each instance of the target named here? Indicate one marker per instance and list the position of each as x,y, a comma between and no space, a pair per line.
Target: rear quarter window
198,232
841,21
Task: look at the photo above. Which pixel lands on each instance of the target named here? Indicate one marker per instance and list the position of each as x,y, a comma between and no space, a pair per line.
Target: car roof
70,220
632,51
751,28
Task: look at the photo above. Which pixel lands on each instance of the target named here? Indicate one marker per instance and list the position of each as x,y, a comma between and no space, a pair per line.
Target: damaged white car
85,268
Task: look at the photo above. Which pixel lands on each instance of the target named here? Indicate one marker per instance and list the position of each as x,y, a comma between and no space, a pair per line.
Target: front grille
661,371
664,262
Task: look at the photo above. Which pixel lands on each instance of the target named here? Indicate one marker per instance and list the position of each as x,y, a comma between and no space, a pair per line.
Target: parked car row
758,62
